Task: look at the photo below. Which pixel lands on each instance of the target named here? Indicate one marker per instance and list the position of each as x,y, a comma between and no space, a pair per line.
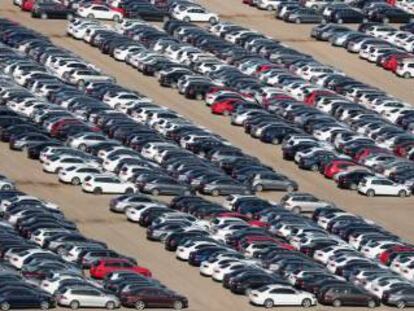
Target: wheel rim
402,194
306,303
5,306
337,303
371,304
74,305
290,189
296,210
268,303
155,192
44,305
76,181
139,305
110,305
314,168
259,188
178,305
215,193
401,305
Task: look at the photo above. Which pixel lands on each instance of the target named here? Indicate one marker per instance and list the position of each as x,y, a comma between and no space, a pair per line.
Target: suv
372,186
51,9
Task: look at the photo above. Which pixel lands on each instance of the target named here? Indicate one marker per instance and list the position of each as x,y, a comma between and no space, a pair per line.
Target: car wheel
74,305
110,305
213,20
44,305
275,141
306,303
215,193
371,304
402,194
401,304
69,16
90,16
97,191
178,305
336,303
155,192
371,193
353,186
226,113
82,147
407,75
43,16
117,18
187,19
298,21
6,188
296,209
385,20
290,188
75,181
269,8
314,168
268,303
340,21
129,191
81,84
5,306
140,305
199,96
258,188
58,170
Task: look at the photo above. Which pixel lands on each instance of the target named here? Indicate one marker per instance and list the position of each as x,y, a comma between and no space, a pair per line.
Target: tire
215,193
407,75
213,21
75,181
74,304
69,16
6,188
353,186
296,209
269,8
43,16
314,168
297,21
371,193
268,303
82,147
155,192
258,188
140,305
187,19
306,303
129,191
110,305
402,194
199,96
90,16
336,303
117,18
178,305
340,21
5,306
275,141
290,188
385,20
401,304
97,190
371,304
44,305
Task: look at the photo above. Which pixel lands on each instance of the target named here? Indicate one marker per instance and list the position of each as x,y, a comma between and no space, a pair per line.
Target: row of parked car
275,113
276,257
44,260
117,10
131,143
323,11
377,43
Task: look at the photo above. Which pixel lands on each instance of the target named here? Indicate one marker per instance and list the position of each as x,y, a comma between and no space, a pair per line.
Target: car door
389,187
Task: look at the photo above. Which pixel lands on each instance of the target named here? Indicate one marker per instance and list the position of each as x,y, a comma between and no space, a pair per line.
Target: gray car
304,16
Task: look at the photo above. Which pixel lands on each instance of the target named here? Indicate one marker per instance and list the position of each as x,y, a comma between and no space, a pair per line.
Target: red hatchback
227,106
105,266
337,166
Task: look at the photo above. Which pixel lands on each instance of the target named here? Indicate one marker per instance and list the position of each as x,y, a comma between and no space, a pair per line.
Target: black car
45,10
347,16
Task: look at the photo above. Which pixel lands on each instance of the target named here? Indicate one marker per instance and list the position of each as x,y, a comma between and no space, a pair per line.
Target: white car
6,185
75,175
54,165
406,69
195,14
271,296
83,140
183,252
99,11
372,186
87,297
106,183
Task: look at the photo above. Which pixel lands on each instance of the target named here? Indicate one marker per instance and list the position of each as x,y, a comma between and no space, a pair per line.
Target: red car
27,5
392,61
336,166
104,266
227,106
386,255
362,154
311,99
403,149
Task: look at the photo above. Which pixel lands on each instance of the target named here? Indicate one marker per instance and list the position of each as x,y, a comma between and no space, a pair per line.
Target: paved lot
91,212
